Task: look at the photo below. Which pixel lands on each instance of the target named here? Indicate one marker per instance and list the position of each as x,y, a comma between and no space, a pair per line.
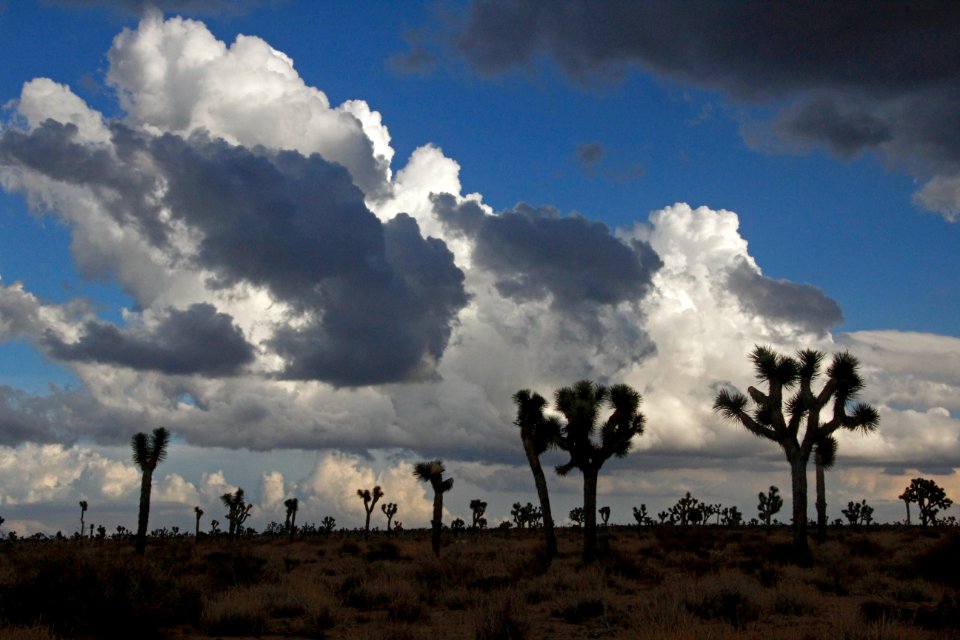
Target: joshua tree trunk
540,480
908,511
590,514
821,502
798,477
437,522
293,524
146,484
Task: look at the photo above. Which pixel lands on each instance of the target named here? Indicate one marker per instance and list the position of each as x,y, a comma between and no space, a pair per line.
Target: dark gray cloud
535,252
802,304
857,75
378,300
199,340
589,154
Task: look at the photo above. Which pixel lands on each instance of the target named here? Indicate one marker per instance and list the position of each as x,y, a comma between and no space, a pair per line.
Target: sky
322,241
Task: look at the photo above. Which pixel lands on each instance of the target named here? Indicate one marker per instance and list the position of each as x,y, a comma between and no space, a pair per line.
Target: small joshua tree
390,510
930,499
432,472
858,513
328,524
604,514
369,502
198,513
641,516
458,525
83,510
292,504
478,507
687,511
770,503
238,511
577,516
731,517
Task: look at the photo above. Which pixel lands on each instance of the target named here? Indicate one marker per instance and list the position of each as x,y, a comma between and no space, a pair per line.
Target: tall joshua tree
292,504
432,472
83,511
478,507
580,406
237,511
538,434
369,502
148,452
795,422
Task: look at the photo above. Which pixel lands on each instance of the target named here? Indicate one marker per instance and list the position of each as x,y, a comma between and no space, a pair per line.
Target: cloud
589,154
198,340
196,7
845,78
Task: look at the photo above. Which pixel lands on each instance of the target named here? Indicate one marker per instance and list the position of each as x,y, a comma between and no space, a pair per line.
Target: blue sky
846,207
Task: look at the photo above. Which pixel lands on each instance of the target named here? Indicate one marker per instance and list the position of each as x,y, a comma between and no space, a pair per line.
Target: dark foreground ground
661,582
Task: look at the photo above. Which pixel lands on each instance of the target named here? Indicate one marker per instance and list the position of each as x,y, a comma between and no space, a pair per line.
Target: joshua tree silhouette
148,452
779,419
930,499
369,502
604,514
238,511
292,504
580,406
824,457
769,504
83,511
390,510
432,472
537,435
478,507
198,513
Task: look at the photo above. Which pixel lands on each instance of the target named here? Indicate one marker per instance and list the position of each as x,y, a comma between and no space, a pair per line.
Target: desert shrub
233,568
33,632
940,562
794,603
349,548
862,546
385,550
729,604
500,620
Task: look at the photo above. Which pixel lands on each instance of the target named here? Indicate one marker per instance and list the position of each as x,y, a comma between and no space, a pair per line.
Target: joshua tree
688,510
930,499
641,516
525,515
858,513
824,457
292,504
770,503
198,512
478,507
580,406
458,525
780,419
576,516
389,509
83,510
432,472
538,434
148,452
604,514
369,501
328,524
238,511
731,517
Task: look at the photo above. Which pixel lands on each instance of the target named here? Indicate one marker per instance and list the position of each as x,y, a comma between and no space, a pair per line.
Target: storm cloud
535,252
854,77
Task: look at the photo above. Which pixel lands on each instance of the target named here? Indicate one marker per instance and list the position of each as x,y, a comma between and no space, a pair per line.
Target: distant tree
478,507
432,472
328,524
930,499
198,513
576,516
538,433
641,516
580,406
214,528
526,515
237,511
770,504
858,513
688,510
731,517
458,525
148,452
369,502
83,511
390,510
290,524
780,419
604,514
